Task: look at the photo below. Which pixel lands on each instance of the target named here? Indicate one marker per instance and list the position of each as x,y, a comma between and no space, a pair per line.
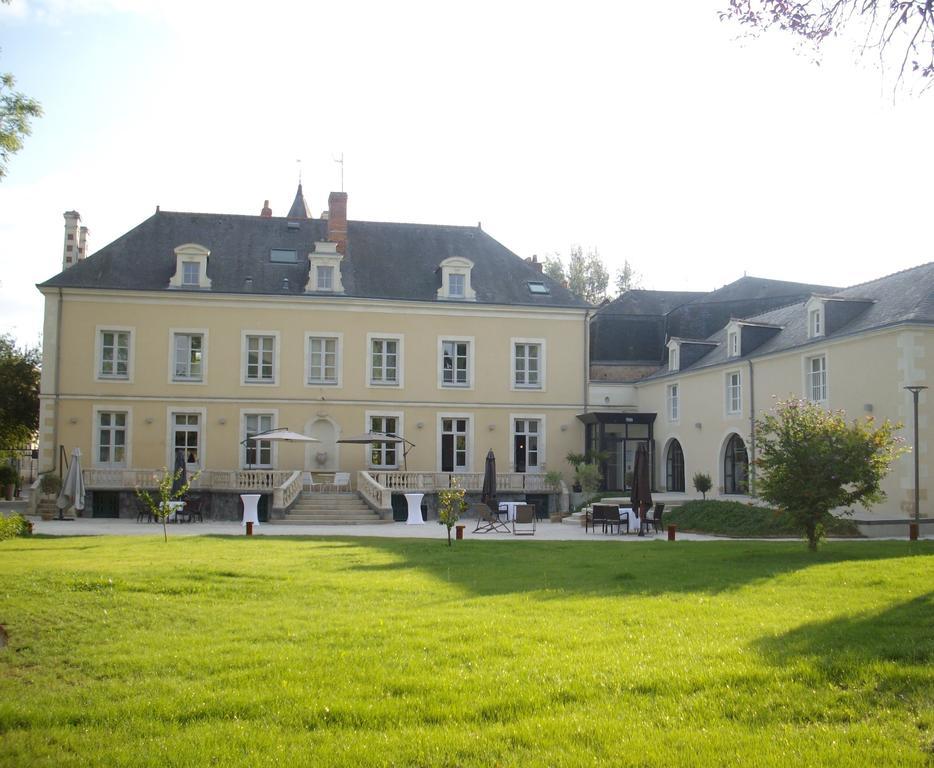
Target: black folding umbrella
488,494
641,486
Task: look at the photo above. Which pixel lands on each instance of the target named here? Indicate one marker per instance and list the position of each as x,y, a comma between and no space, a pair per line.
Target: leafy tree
627,278
587,276
451,505
554,269
702,484
902,30
19,393
166,491
813,461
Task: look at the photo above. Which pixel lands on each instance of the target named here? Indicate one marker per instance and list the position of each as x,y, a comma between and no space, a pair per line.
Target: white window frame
816,318
127,462
674,356
734,404
540,387
808,377
733,343
540,435
324,255
673,402
187,254
400,360
273,445
456,265
170,413
399,416
338,339
469,442
245,335
203,333
470,342
99,332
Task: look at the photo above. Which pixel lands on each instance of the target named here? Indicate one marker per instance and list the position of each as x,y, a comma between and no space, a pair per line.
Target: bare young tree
898,31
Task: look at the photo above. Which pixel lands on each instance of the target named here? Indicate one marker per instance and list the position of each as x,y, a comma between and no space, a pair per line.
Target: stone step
374,521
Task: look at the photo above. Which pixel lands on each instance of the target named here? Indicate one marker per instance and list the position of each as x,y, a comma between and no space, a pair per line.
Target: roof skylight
538,288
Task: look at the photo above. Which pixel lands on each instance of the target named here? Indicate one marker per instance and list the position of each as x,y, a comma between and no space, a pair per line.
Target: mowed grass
383,652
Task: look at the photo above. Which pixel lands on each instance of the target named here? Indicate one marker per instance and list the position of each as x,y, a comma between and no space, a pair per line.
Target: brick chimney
74,237
266,213
337,220
533,260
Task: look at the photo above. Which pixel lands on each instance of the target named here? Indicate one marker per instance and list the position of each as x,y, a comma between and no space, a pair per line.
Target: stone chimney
83,242
266,213
533,260
337,220
75,239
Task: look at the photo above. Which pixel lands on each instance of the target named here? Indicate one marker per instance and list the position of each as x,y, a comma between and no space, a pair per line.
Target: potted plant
8,478
50,485
702,484
554,480
575,460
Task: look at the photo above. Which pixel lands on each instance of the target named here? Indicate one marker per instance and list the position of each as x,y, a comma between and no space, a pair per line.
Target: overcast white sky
647,131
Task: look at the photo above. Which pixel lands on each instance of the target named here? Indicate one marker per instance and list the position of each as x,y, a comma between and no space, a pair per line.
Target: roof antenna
299,171
341,162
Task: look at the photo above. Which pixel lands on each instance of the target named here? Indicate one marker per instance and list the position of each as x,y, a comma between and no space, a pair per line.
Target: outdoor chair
194,508
604,516
342,482
488,520
622,520
142,510
656,517
525,516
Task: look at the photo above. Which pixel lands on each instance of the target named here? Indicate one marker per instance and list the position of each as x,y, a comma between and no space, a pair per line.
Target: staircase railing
377,496
286,493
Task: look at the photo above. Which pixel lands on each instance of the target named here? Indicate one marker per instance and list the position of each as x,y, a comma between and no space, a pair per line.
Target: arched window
674,467
735,466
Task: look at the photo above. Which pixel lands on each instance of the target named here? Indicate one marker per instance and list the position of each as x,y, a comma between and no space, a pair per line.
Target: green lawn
359,652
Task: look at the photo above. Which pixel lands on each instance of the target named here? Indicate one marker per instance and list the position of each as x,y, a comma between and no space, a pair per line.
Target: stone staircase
313,508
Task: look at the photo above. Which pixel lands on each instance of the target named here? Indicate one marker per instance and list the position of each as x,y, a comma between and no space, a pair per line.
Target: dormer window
733,339
191,267
816,322
674,350
455,279
324,271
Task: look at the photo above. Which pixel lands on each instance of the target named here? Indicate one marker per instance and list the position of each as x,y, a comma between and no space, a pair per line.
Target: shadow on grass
894,649
585,568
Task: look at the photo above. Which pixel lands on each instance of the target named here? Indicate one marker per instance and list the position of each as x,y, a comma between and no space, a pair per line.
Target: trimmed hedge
733,518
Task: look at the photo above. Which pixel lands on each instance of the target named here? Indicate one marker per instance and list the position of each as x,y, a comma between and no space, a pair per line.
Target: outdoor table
625,513
175,507
414,500
509,507
250,507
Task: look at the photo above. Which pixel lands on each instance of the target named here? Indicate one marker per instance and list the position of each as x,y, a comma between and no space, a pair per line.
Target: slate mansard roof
382,260
900,298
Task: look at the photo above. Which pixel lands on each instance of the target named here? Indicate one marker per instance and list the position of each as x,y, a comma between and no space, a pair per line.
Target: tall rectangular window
322,360
817,378
325,278
384,454
734,393
115,354
673,403
733,344
456,283
454,445
526,444
186,432
260,359
384,361
816,322
455,363
527,365
189,357
258,452
191,273
111,438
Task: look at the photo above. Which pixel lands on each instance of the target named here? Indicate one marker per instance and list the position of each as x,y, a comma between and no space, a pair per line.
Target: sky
652,132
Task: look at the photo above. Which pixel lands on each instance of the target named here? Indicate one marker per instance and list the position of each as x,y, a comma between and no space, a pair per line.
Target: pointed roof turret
299,209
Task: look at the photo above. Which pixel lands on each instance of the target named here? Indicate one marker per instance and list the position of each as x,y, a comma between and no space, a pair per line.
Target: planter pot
577,498
8,492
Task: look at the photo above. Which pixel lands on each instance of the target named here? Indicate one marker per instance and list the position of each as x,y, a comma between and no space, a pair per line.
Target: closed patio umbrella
488,493
72,493
179,473
641,485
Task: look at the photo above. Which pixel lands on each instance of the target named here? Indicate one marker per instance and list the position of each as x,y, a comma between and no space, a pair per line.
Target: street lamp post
915,391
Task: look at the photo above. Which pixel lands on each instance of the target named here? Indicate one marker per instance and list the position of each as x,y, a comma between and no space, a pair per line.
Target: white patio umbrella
282,434
72,493
382,437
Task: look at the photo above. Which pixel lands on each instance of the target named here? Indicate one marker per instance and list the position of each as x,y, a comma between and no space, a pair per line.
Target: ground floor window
454,445
674,467
258,452
735,466
384,454
186,431
525,438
